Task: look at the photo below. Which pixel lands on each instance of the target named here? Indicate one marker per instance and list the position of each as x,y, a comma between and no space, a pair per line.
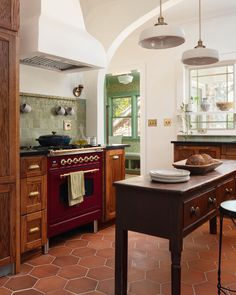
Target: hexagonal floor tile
65,260
144,287
50,284
81,285
43,271
72,271
21,282
101,273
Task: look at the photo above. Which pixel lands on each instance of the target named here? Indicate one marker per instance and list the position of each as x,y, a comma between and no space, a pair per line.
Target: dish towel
76,188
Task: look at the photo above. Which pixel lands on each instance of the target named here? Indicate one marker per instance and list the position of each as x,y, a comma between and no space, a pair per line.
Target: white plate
167,180
169,173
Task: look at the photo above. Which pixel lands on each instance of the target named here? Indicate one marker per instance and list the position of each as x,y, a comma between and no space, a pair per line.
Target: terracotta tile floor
83,263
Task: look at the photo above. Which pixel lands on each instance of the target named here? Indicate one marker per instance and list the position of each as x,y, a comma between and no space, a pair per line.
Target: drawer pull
195,211
34,230
228,191
33,194
115,157
33,167
212,201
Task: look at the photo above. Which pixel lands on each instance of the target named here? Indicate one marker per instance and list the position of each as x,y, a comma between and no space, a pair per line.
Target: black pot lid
53,135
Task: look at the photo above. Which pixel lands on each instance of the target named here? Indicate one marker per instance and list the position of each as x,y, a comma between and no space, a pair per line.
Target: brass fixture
78,90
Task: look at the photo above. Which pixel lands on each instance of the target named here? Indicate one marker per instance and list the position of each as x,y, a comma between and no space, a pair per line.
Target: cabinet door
183,152
7,224
9,151
115,170
9,110
9,14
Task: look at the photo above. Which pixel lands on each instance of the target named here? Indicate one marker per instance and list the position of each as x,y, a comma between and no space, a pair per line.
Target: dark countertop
31,152
116,146
203,142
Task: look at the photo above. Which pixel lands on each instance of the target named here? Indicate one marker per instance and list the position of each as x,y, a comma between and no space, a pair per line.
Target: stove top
61,150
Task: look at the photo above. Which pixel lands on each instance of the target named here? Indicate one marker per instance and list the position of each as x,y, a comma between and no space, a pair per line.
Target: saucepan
54,139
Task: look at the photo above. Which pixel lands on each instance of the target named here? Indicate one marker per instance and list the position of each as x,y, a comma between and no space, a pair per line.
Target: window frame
188,91
134,115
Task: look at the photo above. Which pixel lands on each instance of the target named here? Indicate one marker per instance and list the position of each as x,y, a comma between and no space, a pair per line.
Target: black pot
54,139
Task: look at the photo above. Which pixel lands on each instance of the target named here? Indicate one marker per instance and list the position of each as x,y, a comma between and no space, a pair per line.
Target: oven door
61,216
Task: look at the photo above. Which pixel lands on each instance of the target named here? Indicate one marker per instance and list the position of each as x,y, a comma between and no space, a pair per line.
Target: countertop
204,142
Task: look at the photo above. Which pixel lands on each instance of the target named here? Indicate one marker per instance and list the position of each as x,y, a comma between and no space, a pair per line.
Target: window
125,116
208,88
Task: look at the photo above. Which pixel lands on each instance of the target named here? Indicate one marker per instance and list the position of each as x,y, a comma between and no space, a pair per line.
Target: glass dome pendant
200,55
162,35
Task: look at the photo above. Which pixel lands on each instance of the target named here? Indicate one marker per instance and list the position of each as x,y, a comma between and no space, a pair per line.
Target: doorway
123,116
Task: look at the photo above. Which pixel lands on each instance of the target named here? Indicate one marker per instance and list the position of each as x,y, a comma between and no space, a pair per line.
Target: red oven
61,216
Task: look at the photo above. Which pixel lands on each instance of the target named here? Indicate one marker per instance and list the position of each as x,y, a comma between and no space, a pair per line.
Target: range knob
96,158
91,158
75,160
86,159
69,161
63,162
81,160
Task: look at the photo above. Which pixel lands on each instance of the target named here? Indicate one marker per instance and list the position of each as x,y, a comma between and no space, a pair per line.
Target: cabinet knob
212,200
195,211
115,157
228,191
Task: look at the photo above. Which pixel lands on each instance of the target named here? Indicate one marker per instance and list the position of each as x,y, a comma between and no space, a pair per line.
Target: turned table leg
213,225
121,252
176,250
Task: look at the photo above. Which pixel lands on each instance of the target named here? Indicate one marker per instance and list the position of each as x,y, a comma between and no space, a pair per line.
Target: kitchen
130,56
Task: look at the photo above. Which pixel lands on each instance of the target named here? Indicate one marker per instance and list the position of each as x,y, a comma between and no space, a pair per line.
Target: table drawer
33,194
33,166
226,191
199,206
33,230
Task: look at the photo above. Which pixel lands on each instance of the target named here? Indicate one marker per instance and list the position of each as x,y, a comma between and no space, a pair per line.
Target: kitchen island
168,211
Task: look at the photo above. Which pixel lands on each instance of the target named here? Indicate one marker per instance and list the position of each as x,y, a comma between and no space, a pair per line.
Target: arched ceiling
106,19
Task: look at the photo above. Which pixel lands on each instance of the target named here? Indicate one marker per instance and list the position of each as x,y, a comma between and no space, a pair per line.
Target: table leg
213,225
121,253
176,250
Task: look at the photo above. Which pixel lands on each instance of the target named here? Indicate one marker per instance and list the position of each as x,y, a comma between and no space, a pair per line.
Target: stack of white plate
170,175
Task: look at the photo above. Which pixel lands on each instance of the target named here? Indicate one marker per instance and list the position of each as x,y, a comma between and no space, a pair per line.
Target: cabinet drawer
226,191
33,166
198,207
33,230
33,194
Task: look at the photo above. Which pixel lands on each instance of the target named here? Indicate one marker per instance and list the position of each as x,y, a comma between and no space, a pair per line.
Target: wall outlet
167,122
152,122
67,125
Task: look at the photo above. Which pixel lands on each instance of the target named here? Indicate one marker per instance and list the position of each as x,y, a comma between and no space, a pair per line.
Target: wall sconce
78,90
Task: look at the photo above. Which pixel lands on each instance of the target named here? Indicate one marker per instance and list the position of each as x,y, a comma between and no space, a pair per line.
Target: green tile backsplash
42,119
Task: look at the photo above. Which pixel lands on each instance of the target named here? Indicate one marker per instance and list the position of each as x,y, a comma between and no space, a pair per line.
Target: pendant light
161,36
200,55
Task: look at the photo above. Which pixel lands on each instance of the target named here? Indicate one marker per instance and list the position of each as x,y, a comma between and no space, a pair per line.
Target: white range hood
53,36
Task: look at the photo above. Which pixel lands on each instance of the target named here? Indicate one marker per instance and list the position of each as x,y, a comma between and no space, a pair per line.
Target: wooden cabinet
182,152
33,202
114,171
9,134
9,14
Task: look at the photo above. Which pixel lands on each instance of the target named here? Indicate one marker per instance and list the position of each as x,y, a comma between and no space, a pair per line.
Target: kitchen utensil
25,108
53,139
60,110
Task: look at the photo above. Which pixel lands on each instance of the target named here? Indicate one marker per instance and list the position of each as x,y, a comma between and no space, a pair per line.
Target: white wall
35,80
164,81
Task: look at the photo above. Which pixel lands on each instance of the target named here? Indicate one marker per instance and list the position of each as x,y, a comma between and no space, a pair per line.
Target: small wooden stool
227,209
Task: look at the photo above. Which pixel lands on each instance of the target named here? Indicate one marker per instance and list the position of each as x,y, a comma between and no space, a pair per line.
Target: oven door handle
86,171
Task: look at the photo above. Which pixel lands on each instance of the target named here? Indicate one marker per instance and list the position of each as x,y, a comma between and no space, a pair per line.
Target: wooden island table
170,211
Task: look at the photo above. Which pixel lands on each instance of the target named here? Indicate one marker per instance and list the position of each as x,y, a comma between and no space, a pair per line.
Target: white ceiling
110,17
